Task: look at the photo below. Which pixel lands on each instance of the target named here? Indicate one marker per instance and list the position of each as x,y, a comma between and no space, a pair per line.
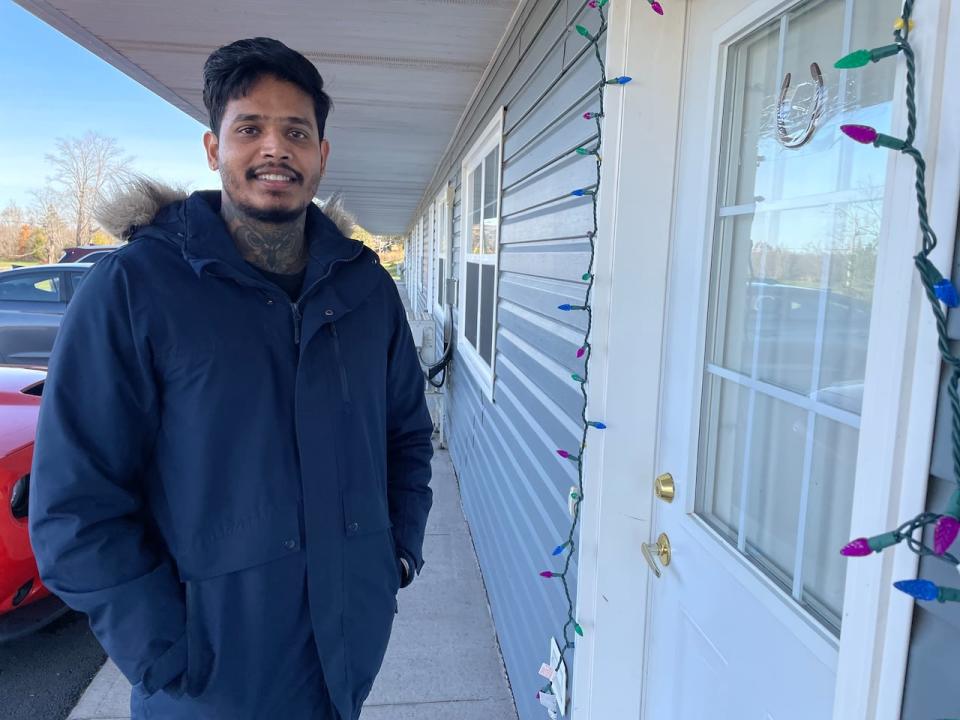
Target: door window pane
777,431
792,282
828,517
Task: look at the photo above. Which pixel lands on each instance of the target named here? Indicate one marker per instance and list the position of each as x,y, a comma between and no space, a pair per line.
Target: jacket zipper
344,388
295,307
297,317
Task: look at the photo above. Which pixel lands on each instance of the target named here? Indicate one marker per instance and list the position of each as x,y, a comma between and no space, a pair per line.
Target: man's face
268,151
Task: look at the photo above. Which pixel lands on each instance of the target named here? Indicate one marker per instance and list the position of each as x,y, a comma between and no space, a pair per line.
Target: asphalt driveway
44,674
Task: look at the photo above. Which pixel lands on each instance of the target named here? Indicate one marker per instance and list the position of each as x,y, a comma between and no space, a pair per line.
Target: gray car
32,303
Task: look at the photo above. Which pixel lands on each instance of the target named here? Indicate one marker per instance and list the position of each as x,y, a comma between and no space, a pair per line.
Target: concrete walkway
443,660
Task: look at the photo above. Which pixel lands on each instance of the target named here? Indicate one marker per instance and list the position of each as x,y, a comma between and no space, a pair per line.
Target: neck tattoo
276,248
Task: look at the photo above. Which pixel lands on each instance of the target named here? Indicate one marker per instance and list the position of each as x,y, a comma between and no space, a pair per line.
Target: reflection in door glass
792,277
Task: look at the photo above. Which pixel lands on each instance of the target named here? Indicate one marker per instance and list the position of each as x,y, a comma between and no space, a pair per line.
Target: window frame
425,260
442,251
491,138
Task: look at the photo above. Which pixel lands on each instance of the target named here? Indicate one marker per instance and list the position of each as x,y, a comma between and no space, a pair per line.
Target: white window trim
441,210
491,137
417,268
426,257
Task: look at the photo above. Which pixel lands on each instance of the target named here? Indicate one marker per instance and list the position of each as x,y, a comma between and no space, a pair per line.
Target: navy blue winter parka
223,479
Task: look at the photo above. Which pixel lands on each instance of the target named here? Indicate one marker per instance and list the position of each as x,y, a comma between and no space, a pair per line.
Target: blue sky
51,87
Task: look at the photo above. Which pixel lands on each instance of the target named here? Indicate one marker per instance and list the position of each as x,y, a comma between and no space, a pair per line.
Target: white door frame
899,400
619,464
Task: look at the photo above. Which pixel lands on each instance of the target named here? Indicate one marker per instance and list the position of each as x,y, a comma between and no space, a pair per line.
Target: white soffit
399,72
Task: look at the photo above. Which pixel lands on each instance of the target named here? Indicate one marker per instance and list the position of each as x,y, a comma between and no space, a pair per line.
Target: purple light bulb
945,533
861,133
563,453
857,548
655,6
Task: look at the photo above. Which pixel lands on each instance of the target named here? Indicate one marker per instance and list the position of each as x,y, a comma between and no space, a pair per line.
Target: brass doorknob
664,487
662,550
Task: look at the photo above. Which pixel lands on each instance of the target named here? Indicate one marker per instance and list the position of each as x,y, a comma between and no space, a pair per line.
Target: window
33,287
792,282
75,279
480,233
441,240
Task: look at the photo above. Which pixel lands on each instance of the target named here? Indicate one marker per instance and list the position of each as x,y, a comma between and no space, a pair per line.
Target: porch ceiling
400,73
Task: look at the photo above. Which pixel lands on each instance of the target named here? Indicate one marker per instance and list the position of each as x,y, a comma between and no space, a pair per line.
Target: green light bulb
583,31
859,58
853,60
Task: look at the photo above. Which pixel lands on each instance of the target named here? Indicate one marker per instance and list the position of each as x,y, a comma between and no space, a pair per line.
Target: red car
25,604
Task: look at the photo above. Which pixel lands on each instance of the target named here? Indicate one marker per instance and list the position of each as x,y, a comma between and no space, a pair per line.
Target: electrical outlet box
559,682
452,291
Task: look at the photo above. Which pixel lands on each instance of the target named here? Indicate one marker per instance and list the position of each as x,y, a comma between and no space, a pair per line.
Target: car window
31,287
76,278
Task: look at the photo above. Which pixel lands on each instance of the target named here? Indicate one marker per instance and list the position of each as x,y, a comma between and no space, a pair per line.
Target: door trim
634,224
901,398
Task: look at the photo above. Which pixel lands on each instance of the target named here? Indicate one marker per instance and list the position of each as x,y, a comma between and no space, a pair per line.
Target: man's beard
273,216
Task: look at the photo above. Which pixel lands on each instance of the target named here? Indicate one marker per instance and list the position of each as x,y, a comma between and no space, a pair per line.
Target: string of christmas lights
584,351
941,292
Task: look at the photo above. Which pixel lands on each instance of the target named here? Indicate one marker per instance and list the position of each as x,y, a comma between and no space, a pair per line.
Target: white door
767,316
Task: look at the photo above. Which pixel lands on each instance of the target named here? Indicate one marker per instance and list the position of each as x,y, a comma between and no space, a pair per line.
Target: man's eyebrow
293,119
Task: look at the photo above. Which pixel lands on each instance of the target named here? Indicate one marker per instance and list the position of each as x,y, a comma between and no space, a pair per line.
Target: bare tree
52,230
12,220
84,168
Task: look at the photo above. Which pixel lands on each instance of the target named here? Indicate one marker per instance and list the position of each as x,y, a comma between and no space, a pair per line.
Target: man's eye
299,134
244,130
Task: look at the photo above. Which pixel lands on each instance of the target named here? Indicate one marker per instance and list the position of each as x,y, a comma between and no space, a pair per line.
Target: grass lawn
8,264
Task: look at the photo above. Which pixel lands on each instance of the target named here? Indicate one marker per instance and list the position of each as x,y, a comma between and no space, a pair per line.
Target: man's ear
211,144
324,152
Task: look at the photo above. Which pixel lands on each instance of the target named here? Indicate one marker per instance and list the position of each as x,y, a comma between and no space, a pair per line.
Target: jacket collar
207,242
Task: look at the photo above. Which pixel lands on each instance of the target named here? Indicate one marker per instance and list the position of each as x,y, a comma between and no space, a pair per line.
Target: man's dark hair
232,70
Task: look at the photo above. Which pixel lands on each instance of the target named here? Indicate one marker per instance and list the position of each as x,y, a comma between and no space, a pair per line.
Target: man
232,464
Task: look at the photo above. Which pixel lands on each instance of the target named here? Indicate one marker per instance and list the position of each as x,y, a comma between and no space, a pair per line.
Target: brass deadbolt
664,487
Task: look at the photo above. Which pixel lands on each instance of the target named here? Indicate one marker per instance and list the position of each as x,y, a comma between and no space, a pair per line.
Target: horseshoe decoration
803,137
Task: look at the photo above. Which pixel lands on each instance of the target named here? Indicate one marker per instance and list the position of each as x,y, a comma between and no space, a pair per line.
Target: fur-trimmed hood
137,201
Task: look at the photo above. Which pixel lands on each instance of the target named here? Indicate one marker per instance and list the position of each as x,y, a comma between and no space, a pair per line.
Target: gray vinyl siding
931,689
513,484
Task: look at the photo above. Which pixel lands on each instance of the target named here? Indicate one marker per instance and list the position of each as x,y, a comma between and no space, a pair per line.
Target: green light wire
929,276
571,619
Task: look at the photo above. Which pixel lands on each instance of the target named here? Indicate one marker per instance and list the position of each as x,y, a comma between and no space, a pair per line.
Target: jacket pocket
396,557
241,541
